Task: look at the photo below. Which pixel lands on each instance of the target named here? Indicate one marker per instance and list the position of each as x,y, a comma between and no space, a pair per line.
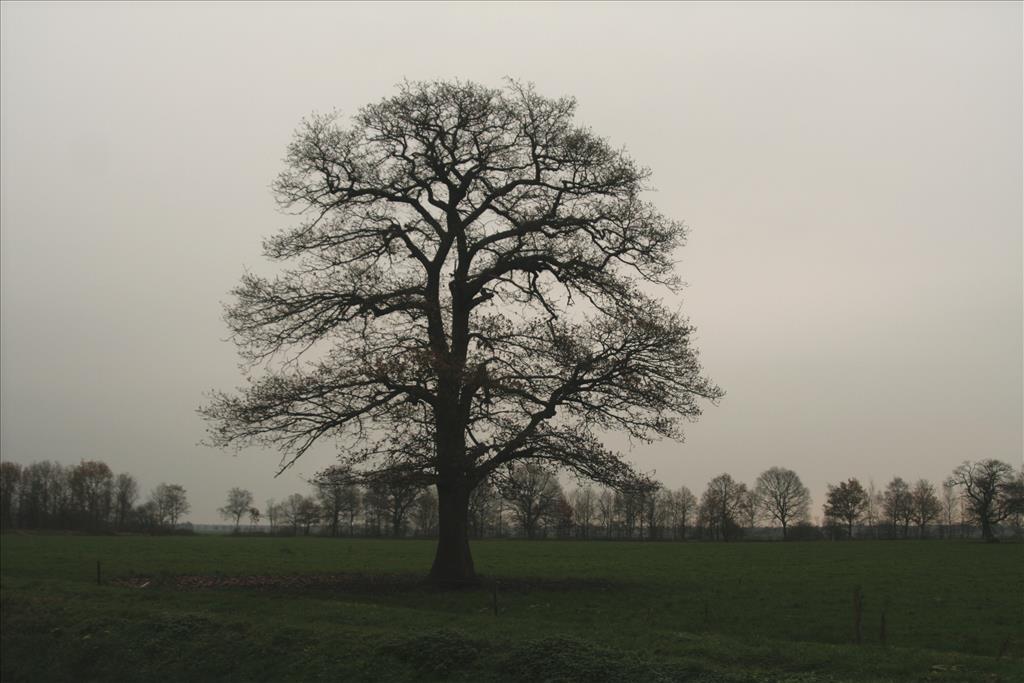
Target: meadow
246,608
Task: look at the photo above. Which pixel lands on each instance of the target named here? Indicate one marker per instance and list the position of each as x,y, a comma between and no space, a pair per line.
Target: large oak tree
469,288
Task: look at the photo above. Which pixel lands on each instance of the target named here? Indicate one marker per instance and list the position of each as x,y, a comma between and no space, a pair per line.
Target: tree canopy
467,288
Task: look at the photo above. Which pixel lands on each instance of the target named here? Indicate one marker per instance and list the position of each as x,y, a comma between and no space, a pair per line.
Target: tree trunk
453,563
986,530
396,523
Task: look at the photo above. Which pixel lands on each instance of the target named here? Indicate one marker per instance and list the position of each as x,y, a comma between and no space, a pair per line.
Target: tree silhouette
925,505
170,503
847,502
722,506
534,494
990,491
783,496
238,504
464,293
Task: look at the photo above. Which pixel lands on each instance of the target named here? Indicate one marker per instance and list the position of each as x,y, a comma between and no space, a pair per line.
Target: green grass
567,611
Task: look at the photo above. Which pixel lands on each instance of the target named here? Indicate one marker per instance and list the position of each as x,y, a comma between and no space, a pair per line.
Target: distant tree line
84,497
984,498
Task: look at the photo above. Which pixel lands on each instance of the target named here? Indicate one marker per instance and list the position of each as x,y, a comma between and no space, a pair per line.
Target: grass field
566,611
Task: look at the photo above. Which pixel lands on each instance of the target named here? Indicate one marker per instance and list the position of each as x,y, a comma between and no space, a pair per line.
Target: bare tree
606,511
170,503
750,509
238,503
648,499
470,268
1015,494
254,517
44,498
147,516
875,501
272,511
924,505
846,503
563,516
782,496
989,492
307,514
91,486
950,505
424,512
662,514
484,504
533,492
684,506
583,504
10,479
722,507
627,507
299,512
338,496
395,496
126,492
897,503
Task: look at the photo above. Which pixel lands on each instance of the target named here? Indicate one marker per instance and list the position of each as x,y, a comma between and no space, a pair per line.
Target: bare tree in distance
91,485
472,264
783,497
684,504
1015,492
533,492
950,505
924,505
424,512
10,480
299,512
484,508
722,505
988,491
126,492
238,504
272,512
606,511
339,497
846,502
170,503
396,496
875,502
254,517
897,503
583,503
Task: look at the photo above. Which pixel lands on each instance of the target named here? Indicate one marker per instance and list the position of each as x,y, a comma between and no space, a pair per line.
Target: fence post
98,573
494,596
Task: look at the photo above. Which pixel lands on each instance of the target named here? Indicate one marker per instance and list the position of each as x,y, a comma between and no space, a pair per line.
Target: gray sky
852,176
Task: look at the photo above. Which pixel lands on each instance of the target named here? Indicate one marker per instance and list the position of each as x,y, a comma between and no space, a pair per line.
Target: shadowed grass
593,611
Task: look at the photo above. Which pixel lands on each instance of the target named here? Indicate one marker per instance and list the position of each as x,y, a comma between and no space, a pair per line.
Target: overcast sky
851,174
